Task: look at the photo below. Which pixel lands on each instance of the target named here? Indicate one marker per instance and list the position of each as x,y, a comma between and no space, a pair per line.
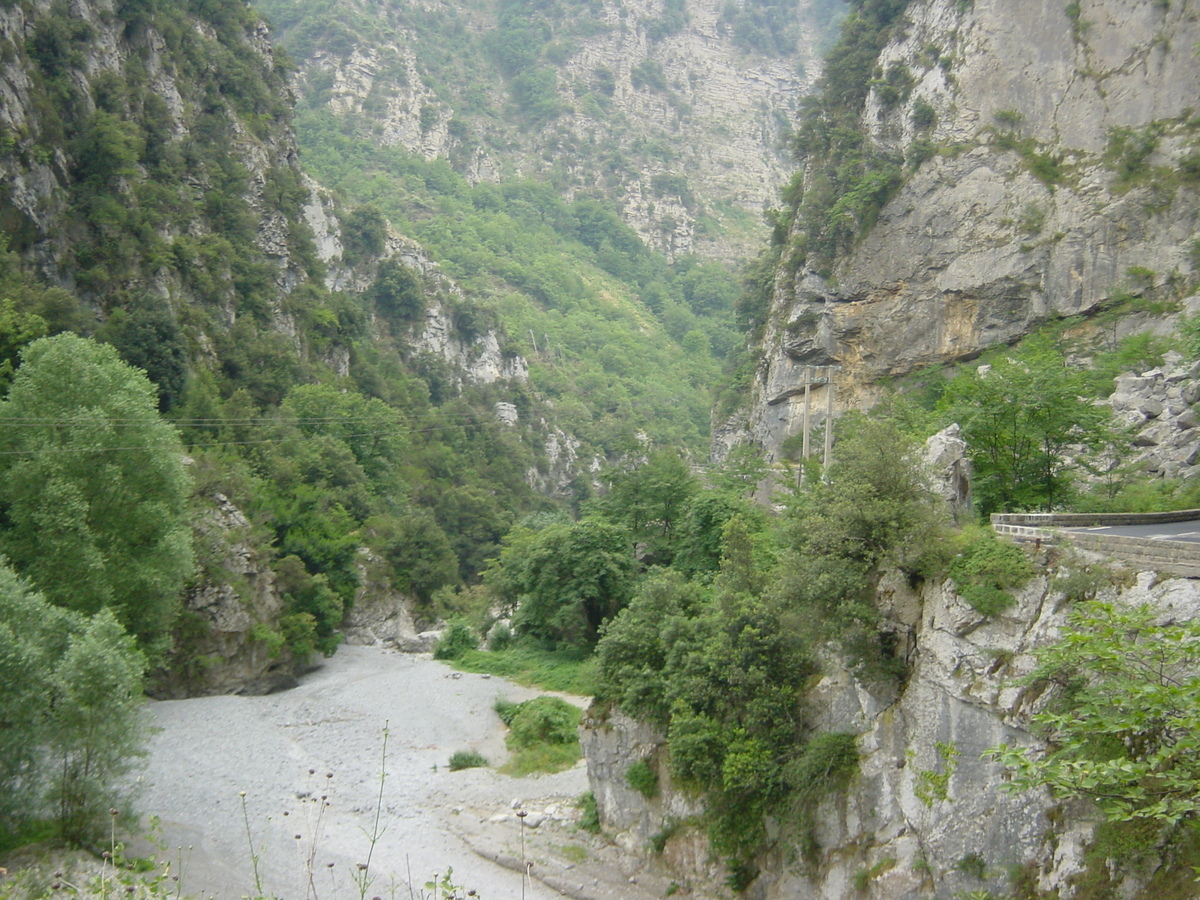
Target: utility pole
828,417
806,423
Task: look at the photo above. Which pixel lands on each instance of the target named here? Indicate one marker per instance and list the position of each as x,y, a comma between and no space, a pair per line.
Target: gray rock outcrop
1055,177
229,639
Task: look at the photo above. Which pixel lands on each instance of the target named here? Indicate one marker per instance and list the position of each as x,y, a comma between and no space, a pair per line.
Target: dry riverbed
325,739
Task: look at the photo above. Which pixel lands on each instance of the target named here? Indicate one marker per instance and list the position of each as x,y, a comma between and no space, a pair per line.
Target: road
1167,531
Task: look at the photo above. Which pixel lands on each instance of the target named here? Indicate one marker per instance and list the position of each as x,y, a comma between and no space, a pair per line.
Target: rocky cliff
1046,166
925,815
654,104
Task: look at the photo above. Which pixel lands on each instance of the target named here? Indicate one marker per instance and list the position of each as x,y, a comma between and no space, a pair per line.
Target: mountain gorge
430,309
674,113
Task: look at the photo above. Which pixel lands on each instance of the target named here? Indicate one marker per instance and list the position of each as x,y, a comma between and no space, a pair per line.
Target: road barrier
1167,556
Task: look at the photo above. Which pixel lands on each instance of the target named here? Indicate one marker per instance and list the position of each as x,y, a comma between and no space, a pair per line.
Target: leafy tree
418,550
93,485
568,579
98,734
1022,418
699,542
1122,728
650,500
147,336
398,292
16,330
70,689
873,509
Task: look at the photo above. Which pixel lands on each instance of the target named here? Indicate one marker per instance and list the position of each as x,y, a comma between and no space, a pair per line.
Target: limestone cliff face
924,799
224,641
684,129
1049,167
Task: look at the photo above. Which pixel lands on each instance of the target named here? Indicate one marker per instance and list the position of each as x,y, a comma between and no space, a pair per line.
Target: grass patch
569,671
467,759
543,735
573,853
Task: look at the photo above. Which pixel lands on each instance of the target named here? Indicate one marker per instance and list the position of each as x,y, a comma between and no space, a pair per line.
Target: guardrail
1171,557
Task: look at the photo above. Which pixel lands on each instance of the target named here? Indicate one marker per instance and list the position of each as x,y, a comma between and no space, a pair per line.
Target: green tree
873,509
568,579
147,336
70,691
97,730
1122,727
1020,418
94,491
650,500
417,549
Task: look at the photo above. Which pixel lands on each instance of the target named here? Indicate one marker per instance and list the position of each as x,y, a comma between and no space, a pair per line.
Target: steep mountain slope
333,387
1007,163
674,111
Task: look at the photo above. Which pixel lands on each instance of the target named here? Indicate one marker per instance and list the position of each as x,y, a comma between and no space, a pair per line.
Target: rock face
1159,407
682,127
1050,171
924,800
231,616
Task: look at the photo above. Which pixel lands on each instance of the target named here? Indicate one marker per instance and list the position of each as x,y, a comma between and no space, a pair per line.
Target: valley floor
209,750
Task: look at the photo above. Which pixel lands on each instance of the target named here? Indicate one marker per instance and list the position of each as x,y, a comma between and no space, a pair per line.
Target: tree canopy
1122,725
1022,417
93,486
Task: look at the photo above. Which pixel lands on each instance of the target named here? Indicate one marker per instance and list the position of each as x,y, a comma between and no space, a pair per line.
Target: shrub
457,639
467,759
923,116
589,821
543,733
986,570
642,778
544,720
500,638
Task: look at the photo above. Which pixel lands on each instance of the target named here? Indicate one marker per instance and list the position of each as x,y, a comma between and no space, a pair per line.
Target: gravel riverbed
325,739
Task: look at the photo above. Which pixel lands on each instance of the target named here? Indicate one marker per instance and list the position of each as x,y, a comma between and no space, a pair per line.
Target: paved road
1169,531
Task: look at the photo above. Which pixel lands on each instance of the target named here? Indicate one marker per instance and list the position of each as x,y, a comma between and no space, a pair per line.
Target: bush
642,778
543,733
589,821
467,759
544,720
456,640
500,638
986,570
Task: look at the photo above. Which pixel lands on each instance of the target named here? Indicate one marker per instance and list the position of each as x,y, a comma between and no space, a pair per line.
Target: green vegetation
1020,448
467,759
848,179
720,658
1122,729
543,735
94,487
568,670
71,691
589,821
595,312
934,784
987,569
642,778
458,639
